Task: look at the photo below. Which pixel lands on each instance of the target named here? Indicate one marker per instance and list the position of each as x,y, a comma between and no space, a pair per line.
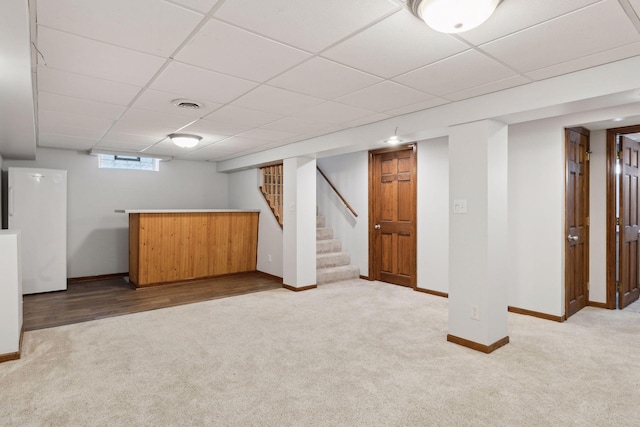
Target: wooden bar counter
168,246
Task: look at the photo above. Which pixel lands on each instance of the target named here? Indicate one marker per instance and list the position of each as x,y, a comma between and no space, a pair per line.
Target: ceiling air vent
187,103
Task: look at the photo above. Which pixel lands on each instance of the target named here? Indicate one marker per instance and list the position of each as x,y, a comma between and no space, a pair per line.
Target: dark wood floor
98,299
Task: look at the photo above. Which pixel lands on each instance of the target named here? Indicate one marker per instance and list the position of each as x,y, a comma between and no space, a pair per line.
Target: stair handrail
335,190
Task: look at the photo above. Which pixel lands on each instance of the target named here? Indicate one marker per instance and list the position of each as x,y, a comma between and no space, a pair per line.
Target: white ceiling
273,72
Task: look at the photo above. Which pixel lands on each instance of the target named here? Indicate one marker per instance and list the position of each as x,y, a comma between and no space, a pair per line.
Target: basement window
118,161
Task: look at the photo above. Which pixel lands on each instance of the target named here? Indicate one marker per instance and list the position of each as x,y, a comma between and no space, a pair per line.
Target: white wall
349,173
244,194
97,239
433,215
598,217
536,216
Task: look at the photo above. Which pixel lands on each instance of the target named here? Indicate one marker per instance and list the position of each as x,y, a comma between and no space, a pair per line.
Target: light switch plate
460,206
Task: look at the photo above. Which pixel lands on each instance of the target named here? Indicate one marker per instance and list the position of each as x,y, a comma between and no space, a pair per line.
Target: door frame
612,267
585,132
372,201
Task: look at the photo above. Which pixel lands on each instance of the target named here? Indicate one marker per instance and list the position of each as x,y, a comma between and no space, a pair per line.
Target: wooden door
392,218
576,220
629,191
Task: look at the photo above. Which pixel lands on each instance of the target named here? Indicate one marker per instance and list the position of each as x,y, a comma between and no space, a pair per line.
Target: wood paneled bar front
171,246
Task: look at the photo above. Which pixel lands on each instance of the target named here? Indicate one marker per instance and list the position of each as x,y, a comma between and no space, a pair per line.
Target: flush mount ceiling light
394,139
185,140
453,16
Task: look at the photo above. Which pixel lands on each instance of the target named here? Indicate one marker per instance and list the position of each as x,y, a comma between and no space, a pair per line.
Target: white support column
299,225
10,295
478,235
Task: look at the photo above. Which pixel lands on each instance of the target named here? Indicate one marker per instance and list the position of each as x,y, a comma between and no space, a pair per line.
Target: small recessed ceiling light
618,119
394,139
187,103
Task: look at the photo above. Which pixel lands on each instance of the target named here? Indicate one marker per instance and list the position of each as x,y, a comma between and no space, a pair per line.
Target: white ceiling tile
150,123
200,84
59,118
68,52
122,146
323,79
66,142
204,155
459,72
127,138
85,107
266,134
296,125
369,119
234,51
599,58
395,45
163,102
203,6
166,148
47,127
522,50
308,24
210,127
210,152
333,112
384,96
636,6
274,100
85,87
151,26
241,142
242,116
515,15
430,103
488,88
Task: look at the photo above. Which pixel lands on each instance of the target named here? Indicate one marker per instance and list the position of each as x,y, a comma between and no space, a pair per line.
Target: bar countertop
134,211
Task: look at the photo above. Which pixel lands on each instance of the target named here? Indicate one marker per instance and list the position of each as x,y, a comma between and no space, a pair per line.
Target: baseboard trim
303,288
598,304
477,346
14,356
72,280
430,292
268,275
187,281
366,278
526,312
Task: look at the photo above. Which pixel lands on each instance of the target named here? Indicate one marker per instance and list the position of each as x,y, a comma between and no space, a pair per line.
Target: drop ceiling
273,72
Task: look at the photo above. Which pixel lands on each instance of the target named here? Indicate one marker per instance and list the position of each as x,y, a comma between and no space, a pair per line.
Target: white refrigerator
38,208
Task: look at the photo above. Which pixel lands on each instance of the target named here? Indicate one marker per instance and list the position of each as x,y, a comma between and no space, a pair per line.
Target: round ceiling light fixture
187,103
394,139
185,140
453,16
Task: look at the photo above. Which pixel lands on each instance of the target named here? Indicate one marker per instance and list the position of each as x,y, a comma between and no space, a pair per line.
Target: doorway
576,220
392,215
623,229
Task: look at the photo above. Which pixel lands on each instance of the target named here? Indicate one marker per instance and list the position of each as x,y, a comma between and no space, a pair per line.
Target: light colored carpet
347,354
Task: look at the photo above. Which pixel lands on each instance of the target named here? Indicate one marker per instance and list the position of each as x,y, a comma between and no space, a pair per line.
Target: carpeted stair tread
337,274
328,245
332,259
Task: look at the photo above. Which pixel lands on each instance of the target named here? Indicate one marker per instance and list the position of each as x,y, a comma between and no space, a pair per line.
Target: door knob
572,238
377,226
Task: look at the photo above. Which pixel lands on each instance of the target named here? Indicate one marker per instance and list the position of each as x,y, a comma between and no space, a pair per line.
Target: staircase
332,265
